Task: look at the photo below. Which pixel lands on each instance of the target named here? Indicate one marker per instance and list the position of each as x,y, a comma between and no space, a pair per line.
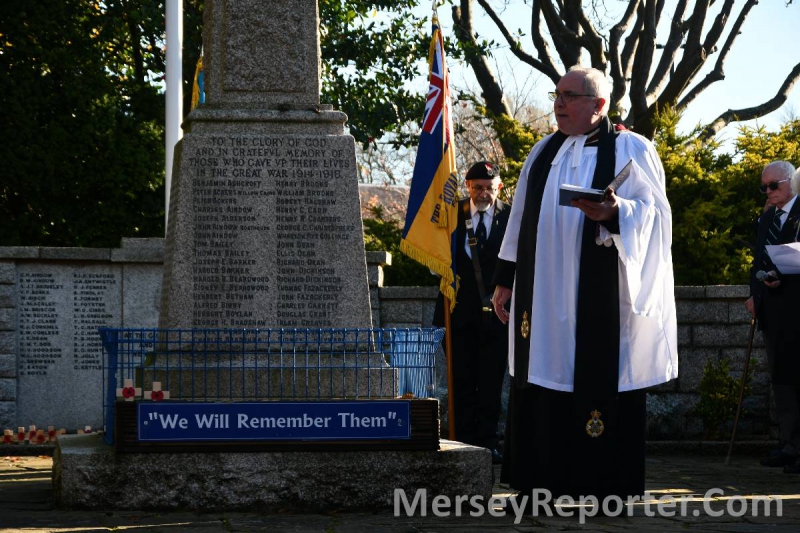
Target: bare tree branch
718,73
565,39
492,91
540,44
593,41
694,57
695,54
715,32
736,115
643,59
516,47
619,81
696,22
670,51
631,43
659,10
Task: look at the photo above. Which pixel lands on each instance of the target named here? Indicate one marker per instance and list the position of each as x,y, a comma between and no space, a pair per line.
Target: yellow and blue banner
199,85
432,214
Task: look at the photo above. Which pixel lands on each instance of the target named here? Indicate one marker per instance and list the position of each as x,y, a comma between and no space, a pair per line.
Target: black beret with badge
483,170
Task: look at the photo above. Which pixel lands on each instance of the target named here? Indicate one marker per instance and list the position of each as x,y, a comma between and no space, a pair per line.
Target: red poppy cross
128,392
156,394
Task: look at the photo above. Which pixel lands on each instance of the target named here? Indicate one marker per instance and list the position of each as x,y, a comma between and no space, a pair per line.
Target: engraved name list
267,231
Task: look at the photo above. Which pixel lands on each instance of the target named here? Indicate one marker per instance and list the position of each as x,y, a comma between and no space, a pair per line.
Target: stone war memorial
265,385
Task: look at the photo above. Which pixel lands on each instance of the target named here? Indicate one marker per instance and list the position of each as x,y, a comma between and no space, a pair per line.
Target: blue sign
253,421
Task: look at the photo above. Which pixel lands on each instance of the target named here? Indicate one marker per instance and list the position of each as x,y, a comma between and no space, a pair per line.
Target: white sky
760,60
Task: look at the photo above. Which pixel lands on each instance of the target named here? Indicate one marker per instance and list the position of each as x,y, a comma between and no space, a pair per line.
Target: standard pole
741,388
448,354
174,93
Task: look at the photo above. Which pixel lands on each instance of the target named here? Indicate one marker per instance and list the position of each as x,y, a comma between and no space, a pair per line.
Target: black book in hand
568,192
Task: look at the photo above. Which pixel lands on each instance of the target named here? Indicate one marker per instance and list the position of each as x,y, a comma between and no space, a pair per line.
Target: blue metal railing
269,364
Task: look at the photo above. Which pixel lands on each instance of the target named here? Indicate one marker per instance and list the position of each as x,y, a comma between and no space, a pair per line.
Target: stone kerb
278,481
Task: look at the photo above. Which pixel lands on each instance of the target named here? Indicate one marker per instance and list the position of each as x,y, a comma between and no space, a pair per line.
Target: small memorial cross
128,392
156,394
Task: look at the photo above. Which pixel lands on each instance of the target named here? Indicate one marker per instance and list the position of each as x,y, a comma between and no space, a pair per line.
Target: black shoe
782,459
497,457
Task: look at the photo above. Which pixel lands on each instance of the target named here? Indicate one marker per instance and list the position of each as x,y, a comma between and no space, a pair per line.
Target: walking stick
741,388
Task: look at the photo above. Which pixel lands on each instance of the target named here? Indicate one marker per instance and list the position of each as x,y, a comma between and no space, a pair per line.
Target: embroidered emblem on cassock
525,327
595,426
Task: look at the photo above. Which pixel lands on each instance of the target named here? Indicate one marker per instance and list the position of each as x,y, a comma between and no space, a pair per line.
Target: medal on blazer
595,426
525,327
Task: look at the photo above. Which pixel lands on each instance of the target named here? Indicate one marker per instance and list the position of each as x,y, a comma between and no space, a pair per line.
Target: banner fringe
435,265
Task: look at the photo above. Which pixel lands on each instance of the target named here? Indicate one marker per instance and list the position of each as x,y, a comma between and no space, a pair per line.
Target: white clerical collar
578,141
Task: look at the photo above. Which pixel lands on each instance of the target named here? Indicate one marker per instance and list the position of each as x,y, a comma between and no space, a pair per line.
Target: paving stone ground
26,506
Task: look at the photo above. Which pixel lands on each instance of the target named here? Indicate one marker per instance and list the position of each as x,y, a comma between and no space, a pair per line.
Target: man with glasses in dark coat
774,298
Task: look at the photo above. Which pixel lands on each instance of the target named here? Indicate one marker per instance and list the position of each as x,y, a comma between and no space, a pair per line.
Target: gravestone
264,223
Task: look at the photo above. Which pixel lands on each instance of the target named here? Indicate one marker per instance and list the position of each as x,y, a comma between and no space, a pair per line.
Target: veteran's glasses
773,185
481,190
567,97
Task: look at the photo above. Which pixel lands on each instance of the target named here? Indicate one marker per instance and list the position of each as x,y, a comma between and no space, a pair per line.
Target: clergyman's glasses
567,97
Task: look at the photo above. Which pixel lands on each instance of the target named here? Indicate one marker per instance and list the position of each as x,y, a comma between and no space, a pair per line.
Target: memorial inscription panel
60,355
276,237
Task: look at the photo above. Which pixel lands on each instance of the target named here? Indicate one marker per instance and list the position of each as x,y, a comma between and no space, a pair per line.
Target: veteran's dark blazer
467,312
778,310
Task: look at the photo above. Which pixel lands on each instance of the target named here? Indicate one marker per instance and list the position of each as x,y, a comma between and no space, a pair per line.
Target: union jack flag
438,91
431,217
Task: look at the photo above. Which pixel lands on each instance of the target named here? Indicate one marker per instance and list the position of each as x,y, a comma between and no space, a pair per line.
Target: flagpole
174,93
448,354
